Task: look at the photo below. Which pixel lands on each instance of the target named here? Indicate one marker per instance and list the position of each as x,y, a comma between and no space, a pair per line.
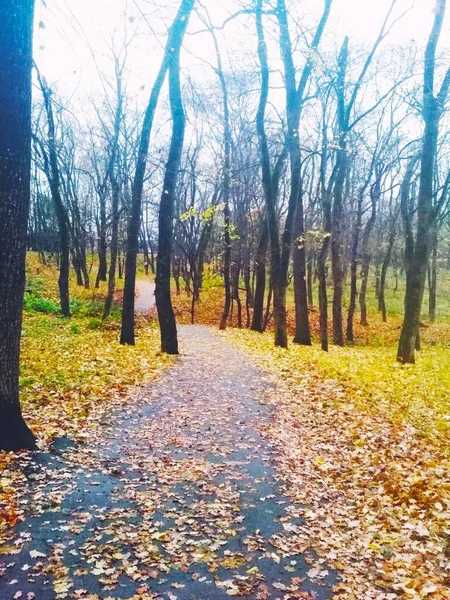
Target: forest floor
176,496
237,469
224,478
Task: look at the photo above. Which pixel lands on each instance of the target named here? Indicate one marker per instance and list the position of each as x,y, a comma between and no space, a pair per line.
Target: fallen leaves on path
375,495
174,498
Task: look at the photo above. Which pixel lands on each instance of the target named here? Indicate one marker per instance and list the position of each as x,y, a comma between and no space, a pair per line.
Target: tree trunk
384,270
166,315
52,173
115,215
309,280
173,44
15,166
260,268
337,246
418,253
102,245
354,269
432,280
302,329
365,252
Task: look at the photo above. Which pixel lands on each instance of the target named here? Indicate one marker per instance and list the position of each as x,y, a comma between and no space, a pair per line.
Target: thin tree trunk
354,269
432,280
53,175
114,246
102,245
260,269
309,280
384,270
365,260
174,42
302,329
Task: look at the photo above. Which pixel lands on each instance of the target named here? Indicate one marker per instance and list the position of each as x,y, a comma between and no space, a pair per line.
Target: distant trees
16,21
280,247
296,181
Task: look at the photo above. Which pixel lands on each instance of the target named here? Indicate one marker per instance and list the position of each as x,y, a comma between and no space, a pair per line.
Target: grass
72,368
89,357
367,370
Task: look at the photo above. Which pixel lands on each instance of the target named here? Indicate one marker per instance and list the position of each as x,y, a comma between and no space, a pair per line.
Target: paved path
177,498
145,298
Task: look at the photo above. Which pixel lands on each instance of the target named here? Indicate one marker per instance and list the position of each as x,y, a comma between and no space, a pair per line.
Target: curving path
145,297
177,498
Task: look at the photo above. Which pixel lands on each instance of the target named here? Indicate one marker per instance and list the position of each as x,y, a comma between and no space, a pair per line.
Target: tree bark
52,173
354,268
166,315
365,252
15,165
384,270
418,252
174,42
302,329
260,288
432,279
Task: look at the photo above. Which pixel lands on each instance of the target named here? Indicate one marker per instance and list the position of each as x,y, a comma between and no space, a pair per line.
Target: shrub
35,286
41,305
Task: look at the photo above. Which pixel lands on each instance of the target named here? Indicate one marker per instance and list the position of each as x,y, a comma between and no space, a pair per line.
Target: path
145,298
177,499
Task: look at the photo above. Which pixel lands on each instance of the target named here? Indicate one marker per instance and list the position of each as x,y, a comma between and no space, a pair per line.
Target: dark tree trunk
268,315
52,173
384,270
226,189
418,250
173,44
15,165
302,330
249,300
102,272
146,254
260,288
337,246
432,280
77,268
365,253
280,250
115,217
309,280
270,186
166,315
354,266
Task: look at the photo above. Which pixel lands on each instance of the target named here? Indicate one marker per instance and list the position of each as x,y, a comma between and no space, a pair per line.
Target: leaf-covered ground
246,470
174,496
374,485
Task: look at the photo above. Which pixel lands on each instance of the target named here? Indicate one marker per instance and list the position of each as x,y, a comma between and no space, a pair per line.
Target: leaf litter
173,495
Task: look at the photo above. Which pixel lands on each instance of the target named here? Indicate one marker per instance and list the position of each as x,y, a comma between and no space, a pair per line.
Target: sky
73,38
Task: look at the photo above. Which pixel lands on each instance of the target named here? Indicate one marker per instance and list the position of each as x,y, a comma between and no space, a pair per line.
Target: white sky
69,27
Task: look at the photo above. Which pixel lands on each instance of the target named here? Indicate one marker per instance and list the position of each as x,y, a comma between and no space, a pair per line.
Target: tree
166,315
173,44
295,98
16,19
280,249
52,172
418,247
